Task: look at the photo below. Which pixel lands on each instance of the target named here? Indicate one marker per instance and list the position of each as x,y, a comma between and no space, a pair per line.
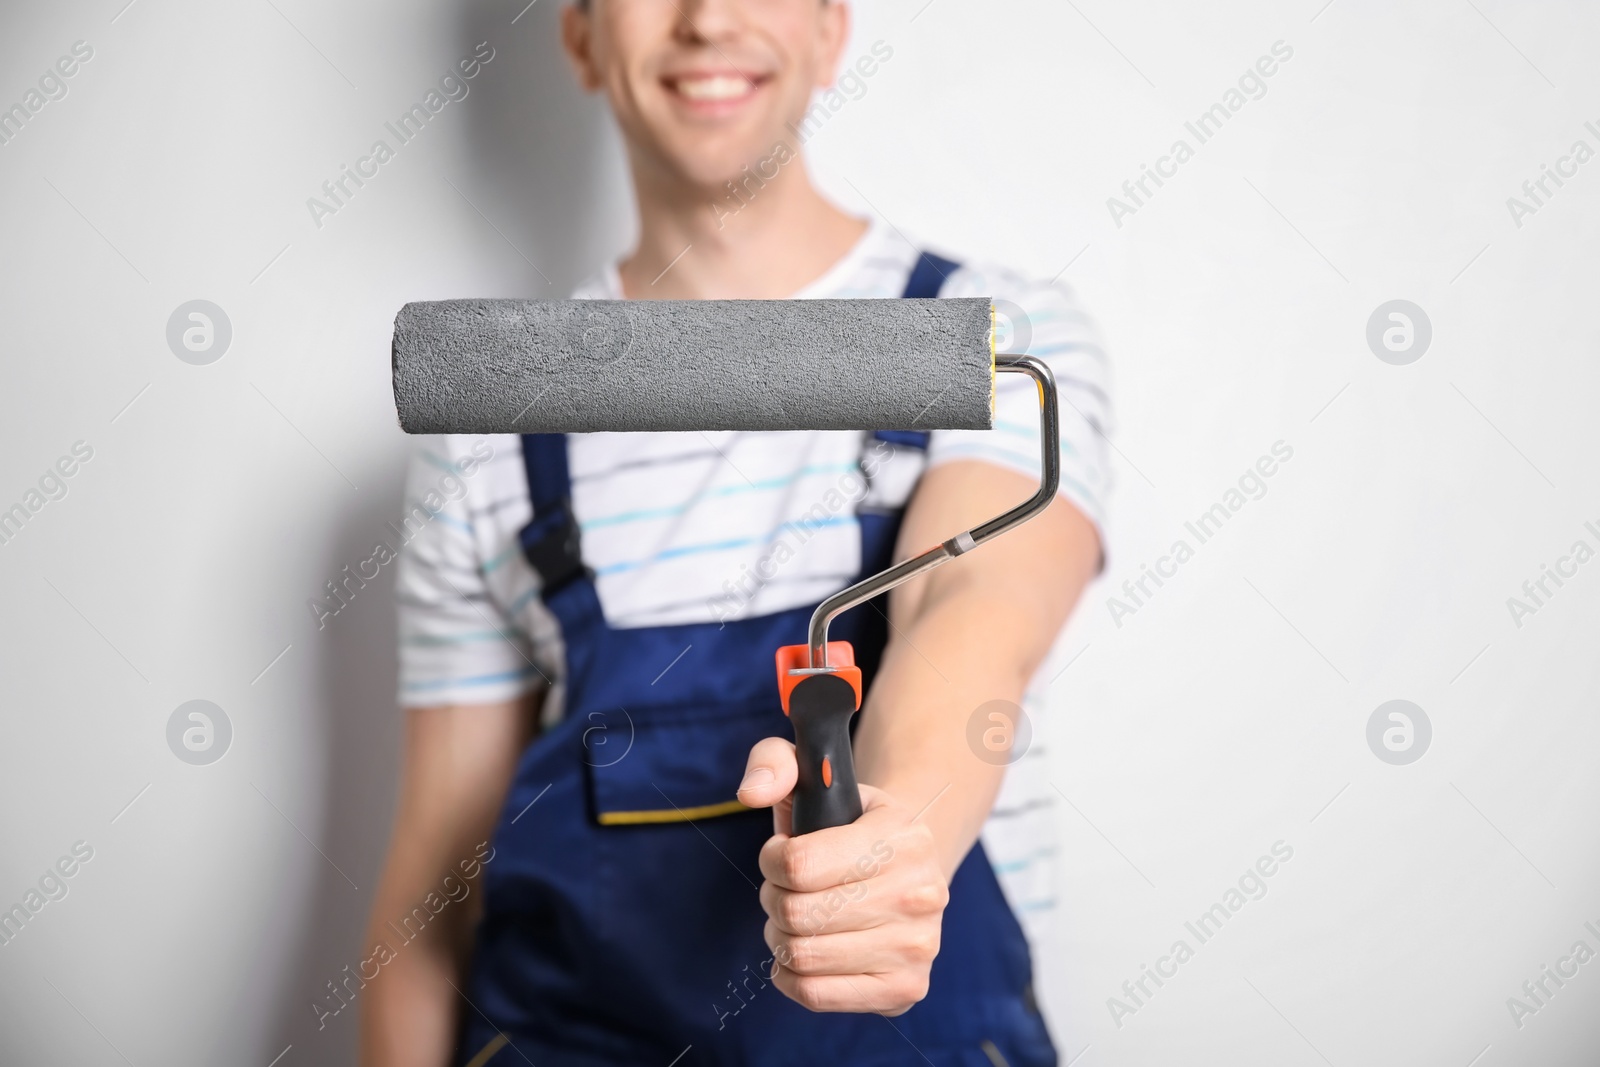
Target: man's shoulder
978,276
1031,309
464,465
986,277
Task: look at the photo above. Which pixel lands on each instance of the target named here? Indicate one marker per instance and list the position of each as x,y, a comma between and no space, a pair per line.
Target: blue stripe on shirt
426,640
1031,431
1024,863
984,452
440,462
726,490
451,521
721,546
1036,318
500,560
1065,346
476,680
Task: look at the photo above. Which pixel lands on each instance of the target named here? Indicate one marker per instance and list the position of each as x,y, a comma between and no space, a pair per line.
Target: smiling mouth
714,89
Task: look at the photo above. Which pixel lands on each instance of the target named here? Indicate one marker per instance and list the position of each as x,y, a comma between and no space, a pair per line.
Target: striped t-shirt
695,527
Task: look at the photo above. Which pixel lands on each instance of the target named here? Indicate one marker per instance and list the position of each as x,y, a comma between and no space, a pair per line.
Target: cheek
807,57
637,100
631,33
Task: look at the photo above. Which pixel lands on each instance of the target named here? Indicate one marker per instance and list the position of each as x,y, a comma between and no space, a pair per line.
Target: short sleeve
458,644
1043,320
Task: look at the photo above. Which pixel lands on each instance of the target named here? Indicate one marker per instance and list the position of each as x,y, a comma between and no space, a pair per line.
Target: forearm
852,927
459,760
968,633
938,669
408,1016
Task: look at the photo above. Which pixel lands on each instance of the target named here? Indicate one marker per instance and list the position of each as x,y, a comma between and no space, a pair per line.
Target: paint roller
583,366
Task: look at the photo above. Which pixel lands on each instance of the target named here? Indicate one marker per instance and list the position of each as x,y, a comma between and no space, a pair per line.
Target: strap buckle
550,544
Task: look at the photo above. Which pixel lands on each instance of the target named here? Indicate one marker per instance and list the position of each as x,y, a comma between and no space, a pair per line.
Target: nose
708,21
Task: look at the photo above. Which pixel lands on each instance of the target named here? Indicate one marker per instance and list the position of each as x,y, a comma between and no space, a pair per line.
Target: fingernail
757,776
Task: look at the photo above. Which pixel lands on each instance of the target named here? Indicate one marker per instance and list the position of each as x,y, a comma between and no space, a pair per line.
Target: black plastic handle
820,707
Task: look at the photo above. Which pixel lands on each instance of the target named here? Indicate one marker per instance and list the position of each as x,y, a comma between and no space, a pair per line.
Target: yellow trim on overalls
704,811
486,1053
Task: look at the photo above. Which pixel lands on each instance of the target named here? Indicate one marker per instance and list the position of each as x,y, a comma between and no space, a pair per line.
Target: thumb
770,773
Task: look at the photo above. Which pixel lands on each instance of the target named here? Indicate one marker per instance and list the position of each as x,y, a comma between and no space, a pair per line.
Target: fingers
854,913
823,859
873,798
770,773
859,906
840,855
855,951
850,907
891,994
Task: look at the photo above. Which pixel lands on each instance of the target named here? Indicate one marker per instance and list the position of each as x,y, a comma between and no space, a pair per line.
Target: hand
853,912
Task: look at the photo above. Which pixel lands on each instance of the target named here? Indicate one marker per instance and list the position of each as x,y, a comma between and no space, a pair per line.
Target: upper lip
691,75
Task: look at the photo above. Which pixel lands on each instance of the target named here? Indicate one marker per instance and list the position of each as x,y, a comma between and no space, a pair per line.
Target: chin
711,163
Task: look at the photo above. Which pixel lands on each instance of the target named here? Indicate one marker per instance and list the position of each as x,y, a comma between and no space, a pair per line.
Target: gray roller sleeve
576,366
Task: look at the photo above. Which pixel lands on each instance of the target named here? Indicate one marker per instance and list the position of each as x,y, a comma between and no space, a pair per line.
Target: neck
765,239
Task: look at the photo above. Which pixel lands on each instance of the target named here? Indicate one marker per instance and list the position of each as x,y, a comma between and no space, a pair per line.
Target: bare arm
972,631
459,761
855,912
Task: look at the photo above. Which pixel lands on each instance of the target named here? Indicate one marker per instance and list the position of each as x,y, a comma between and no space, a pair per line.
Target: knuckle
914,840
792,912
795,864
924,945
808,993
912,989
926,898
802,957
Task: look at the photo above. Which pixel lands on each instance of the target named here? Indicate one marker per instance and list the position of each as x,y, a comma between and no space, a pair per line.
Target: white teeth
717,87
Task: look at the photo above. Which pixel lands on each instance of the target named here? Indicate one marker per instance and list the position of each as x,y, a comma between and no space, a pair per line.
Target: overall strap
550,541
926,279
928,276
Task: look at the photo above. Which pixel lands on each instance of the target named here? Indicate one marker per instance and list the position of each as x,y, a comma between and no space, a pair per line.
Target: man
568,704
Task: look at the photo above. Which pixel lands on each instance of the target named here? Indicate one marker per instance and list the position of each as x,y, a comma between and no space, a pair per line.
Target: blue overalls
621,920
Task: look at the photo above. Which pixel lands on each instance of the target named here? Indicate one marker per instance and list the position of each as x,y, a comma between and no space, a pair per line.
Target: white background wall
1228,713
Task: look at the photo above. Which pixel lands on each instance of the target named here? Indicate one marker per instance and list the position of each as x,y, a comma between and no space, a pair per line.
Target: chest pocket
672,765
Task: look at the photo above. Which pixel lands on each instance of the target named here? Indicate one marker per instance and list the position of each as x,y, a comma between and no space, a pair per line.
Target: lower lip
714,108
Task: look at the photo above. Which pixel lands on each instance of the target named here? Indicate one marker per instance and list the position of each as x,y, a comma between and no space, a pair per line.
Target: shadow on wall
545,155
542,160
